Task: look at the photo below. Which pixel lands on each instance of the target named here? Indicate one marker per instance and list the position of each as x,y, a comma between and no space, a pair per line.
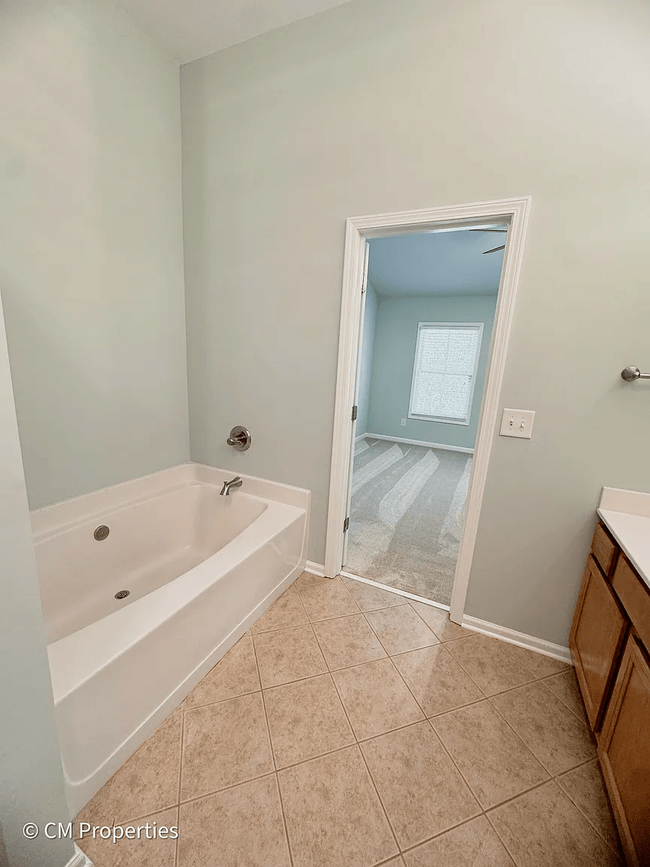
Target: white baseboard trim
420,443
315,568
539,645
79,859
360,437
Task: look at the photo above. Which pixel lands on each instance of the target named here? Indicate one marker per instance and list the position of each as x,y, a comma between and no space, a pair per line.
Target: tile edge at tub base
521,639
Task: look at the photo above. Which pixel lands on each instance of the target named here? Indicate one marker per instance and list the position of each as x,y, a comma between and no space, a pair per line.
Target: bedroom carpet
406,517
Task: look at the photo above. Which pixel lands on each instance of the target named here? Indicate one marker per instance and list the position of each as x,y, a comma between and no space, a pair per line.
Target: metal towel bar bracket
631,373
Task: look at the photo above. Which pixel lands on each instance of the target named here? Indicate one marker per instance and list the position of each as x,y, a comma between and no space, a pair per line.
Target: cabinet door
596,639
604,549
624,751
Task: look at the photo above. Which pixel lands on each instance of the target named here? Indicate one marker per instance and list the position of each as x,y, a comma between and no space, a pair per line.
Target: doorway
409,501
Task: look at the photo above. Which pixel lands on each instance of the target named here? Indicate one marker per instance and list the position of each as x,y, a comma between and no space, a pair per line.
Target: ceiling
436,263
189,29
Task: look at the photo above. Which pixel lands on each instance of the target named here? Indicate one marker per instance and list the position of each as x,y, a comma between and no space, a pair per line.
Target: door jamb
358,230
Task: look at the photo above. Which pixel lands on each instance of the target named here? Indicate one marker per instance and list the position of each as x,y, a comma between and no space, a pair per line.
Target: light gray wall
394,355
380,106
31,777
91,260
366,359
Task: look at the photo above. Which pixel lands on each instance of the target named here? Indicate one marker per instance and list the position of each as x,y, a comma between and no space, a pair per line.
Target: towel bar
631,373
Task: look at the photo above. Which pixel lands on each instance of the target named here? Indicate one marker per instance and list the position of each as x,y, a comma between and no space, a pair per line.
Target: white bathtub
200,569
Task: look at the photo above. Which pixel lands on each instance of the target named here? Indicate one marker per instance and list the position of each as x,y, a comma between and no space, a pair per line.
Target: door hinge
363,290
346,524
354,413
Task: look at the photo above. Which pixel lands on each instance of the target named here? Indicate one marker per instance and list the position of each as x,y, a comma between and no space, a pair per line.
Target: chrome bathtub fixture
101,532
240,438
122,594
233,483
631,373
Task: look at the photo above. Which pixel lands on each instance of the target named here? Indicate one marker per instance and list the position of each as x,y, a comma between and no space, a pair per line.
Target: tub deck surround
202,568
351,726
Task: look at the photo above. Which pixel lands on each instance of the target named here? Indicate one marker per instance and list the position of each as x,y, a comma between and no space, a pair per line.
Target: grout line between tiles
284,819
426,719
318,755
383,806
503,842
266,716
387,861
435,716
462,637
442,833
218,700
273,757
429,720
218,791
322,619
579,808
561,700
519,738
497,806
519,795
550,677
277,777
363,759
534,678
180,777
552,776
390,655
508,723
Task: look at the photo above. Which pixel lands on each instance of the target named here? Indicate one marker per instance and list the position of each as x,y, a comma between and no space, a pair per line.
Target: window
446,358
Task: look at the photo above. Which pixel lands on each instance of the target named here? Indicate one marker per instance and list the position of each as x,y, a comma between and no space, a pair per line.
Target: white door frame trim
358,230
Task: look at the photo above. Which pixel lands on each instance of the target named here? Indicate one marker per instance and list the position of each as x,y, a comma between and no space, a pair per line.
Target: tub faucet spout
233,483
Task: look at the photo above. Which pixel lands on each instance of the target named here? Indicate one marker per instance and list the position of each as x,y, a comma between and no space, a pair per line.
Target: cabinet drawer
596,639
604,549
635,597
624,752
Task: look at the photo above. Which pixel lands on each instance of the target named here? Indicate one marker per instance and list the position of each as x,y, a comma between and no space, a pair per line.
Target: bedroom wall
394,356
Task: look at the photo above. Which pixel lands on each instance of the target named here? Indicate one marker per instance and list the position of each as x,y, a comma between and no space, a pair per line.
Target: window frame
478,326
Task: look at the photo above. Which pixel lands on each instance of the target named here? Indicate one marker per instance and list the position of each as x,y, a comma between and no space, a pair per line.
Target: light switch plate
517,423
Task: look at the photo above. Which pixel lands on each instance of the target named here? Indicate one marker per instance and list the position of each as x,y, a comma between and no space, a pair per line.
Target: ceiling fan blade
494,249
488,230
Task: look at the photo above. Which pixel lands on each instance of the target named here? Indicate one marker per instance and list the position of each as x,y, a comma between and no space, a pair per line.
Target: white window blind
444,373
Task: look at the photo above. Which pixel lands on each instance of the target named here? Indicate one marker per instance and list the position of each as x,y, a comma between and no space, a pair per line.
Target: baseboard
79,859
420,443
539,645
360,437
521,639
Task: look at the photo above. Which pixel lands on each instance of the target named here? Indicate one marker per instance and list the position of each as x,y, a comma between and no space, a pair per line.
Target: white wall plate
517,423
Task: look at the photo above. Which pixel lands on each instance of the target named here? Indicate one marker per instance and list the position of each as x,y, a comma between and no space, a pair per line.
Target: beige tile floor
352,728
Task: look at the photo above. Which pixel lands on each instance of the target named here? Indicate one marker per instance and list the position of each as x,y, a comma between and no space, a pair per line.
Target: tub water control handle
240,438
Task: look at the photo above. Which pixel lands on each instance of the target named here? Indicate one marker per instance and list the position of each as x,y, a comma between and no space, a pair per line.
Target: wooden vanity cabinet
597,636
610,641
624,751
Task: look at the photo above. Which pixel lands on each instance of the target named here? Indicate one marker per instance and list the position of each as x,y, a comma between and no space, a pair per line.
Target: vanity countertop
626,514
